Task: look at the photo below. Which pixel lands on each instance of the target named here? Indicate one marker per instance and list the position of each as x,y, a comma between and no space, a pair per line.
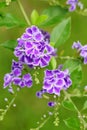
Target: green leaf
34,17
68,105
76,76
2,4
72,123
11,44
61,32
41,19
55,14
71,65
84,106
53,63
9,21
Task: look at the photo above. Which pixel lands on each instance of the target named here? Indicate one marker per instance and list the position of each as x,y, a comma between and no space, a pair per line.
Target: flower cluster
73,4
81,49
33,48
56,80
16,78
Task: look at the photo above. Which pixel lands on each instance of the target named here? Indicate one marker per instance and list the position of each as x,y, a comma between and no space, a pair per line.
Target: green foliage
61,32
72,123
37,19
85,105
41,19
75,69
55,14
34,17
53,63
2,4
11,44
68,105
72,64
76,76
9,21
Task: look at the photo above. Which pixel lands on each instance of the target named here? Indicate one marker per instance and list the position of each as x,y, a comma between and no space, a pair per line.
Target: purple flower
27,80
7,80
76,45
33,47
15,77
39,94
82,50
73,4
16,64
56,80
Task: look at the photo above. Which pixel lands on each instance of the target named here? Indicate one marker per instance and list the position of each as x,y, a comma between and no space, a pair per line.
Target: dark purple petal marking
16,80
51,104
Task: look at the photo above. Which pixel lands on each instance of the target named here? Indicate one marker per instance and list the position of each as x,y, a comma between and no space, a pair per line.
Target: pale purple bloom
73,4
81,49
7,80
76,45
33,48
56,80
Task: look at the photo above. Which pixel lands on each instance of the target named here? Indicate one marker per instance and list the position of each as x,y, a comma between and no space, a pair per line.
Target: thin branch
79,114
23,12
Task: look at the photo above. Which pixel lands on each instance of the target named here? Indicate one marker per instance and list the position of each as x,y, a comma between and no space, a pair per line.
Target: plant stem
24,13
10,104
66,58
79,114
41,125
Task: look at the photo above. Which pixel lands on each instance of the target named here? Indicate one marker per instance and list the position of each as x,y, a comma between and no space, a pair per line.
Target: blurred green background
30,109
